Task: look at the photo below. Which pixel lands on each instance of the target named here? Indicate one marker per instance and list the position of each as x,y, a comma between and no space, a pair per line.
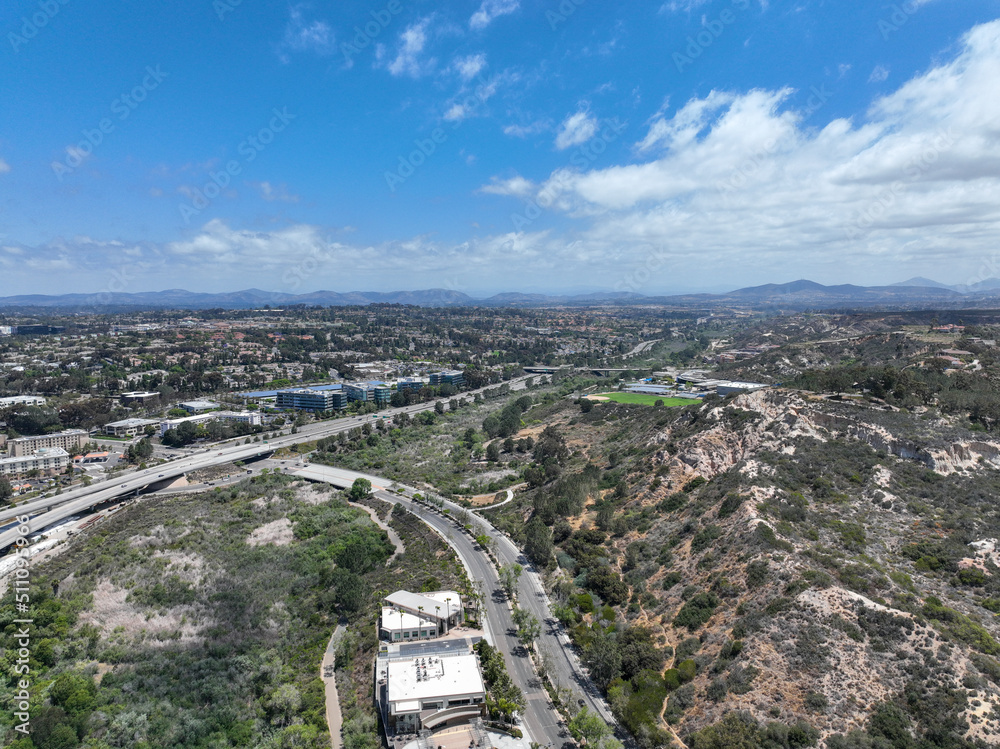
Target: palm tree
420,624
438,610
448,624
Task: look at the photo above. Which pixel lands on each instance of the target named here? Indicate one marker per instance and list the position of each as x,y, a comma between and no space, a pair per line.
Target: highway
540,718
46,511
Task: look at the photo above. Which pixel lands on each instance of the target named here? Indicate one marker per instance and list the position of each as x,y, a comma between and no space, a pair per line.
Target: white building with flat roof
47,460
128,427
432,691
418,616
22,400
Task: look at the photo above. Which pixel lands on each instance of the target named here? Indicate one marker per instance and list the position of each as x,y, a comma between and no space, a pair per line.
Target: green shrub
697,611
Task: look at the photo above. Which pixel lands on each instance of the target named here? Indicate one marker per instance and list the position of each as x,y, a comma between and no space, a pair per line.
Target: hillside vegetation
773,569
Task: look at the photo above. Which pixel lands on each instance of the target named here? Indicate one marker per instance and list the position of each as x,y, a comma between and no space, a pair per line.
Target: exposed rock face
784,415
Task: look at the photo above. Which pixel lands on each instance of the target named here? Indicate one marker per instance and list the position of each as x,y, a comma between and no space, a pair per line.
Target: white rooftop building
428,692
22,400
46,461
418,616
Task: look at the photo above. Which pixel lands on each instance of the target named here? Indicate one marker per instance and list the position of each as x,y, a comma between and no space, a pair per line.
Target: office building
71,440
453,377
193,407
129,427
357,391
308,399
383,394
735,388
409,383
418,616
137,398
428,692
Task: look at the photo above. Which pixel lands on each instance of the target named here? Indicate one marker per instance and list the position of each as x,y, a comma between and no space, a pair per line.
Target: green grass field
643,399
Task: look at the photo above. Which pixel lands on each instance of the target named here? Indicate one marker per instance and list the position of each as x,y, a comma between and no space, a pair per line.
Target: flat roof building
246,417
22,400
47,460
430,692
409,383
452,377
71,440
129,427
138,397
309,399
413,616
732,388
194,407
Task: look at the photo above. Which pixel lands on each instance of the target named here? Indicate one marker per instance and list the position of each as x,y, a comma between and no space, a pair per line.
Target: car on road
124,485
160,476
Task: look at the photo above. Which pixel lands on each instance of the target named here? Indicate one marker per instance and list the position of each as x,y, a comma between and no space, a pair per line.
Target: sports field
644,399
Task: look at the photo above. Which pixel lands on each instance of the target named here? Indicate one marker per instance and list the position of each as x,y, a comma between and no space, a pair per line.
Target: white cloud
523,131
272,193
517,186
490,10
468,67
411,44
681,6
737,175
302,35
456,112
879,74
4,167
576,129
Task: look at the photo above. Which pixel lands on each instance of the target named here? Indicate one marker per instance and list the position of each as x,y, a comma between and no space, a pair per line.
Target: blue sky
496,145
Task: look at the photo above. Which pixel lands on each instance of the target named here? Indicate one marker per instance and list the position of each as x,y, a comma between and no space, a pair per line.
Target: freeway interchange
542,721
47,511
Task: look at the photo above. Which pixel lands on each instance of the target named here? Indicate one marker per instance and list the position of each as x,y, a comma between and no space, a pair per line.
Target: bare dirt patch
277,532
112,613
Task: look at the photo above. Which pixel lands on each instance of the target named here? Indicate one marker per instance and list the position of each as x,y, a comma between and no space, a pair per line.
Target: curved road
541,719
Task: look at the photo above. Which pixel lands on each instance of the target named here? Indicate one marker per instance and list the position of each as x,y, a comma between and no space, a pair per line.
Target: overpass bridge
46,511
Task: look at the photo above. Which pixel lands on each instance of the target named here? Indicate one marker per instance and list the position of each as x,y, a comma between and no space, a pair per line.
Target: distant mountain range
916,292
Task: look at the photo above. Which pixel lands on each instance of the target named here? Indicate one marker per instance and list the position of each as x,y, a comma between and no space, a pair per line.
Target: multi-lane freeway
542,721
46,511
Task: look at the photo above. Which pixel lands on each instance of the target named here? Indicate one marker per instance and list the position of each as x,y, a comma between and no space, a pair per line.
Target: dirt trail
393,536
333,716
